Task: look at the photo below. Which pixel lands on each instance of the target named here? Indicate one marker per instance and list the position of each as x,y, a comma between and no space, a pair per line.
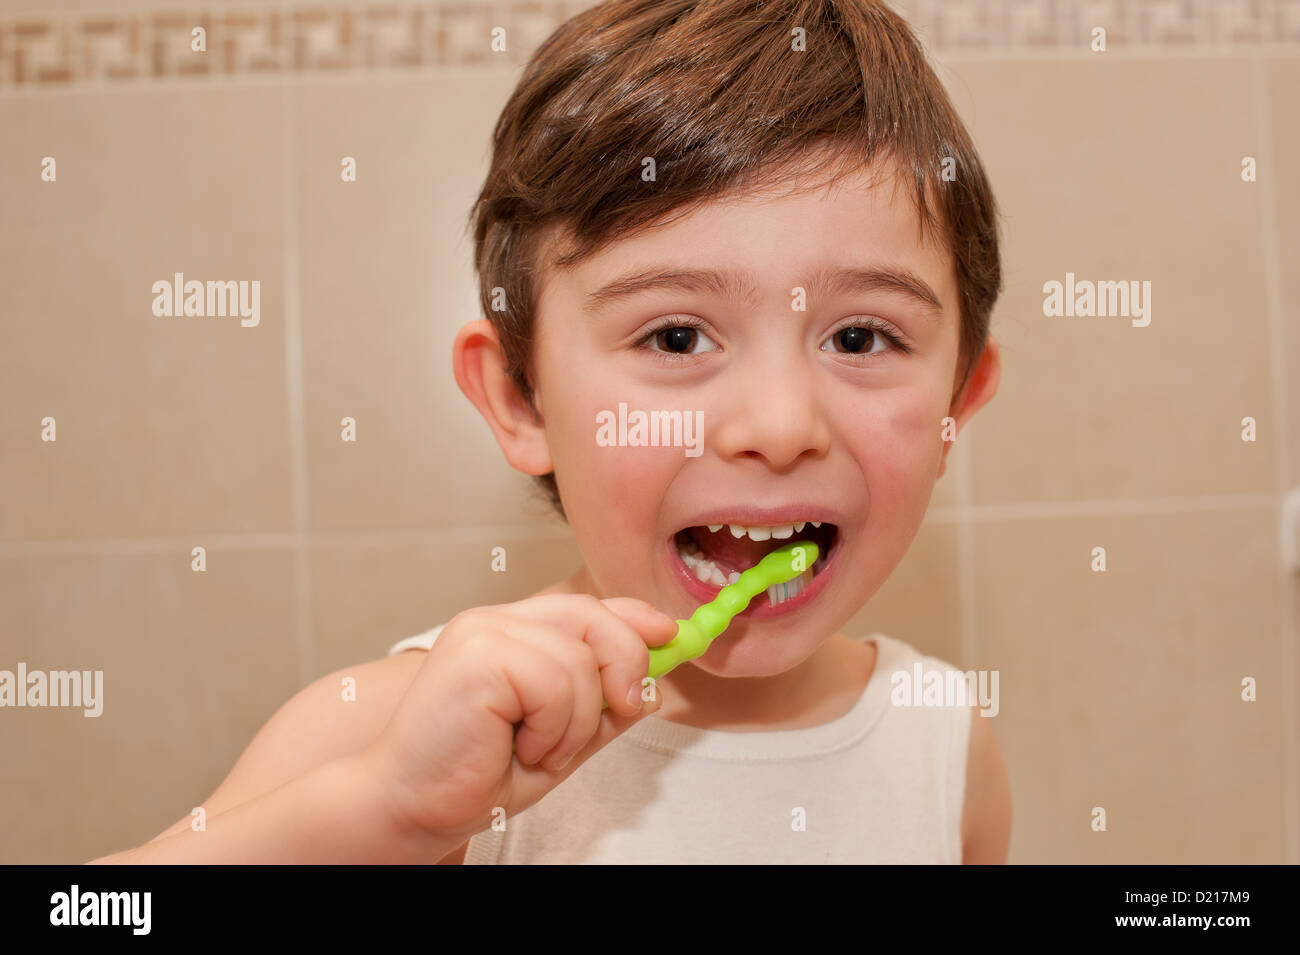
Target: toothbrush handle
710,619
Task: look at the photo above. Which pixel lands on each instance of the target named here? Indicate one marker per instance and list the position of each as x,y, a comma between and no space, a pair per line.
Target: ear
979,390
479,365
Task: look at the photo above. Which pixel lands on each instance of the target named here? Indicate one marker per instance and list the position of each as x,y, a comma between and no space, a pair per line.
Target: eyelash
880,328
665,324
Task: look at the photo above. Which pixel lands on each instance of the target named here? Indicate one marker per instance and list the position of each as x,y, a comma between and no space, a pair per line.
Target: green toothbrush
709,620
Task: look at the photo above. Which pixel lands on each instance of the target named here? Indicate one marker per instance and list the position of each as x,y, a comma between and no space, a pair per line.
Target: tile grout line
974,514
282,540
294,390
1114,507
1290,626
1126,54
425,73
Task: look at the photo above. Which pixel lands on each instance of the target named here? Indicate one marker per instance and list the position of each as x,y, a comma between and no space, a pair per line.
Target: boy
764,220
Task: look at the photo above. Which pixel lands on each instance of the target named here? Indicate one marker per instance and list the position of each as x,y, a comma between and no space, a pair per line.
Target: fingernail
634,696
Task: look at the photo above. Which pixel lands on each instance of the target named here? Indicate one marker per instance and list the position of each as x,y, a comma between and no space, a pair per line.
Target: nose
773,414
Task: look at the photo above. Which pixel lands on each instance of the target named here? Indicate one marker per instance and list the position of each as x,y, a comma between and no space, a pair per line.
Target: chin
745,652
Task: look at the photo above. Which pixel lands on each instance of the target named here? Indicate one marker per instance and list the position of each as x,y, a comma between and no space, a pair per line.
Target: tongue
733,553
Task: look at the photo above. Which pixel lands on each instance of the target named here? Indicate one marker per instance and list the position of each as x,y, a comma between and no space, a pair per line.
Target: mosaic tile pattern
314,38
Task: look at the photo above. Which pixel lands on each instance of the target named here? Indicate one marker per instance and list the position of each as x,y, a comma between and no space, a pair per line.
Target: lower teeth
706,571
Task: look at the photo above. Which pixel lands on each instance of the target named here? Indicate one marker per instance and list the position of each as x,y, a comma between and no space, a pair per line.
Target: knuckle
575,653
585,602
468,616
468,623
487,642
562,692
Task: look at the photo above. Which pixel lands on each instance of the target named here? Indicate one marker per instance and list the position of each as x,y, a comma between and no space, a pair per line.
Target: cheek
896,442
614,489
624,484
896,439
612,496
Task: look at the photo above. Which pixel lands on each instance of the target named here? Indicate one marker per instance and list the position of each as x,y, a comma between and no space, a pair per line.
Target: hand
548,662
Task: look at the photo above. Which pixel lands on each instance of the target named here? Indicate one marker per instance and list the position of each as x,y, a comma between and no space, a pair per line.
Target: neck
812,692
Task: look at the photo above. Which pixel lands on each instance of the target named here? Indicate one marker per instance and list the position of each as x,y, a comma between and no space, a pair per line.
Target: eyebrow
739,286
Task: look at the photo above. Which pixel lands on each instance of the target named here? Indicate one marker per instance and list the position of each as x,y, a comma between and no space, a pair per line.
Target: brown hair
715,92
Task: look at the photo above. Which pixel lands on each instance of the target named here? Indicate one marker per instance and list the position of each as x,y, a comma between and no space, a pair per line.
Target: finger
579,659
531,782
613,725
655,627
621,651
539,691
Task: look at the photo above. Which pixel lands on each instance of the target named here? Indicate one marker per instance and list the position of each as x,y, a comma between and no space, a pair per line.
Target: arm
335,813
986,815
305,790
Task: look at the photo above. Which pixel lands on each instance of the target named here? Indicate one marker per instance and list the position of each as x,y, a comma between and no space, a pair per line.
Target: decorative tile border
321,37
1156,25
310,36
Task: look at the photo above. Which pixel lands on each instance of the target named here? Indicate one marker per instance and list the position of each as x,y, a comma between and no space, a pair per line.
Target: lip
759,608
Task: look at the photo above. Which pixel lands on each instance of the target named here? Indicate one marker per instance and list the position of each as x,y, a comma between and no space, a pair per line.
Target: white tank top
880,784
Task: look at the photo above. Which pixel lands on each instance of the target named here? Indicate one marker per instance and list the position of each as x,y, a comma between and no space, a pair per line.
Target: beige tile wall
1118,689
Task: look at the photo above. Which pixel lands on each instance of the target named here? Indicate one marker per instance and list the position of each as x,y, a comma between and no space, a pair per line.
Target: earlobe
479,364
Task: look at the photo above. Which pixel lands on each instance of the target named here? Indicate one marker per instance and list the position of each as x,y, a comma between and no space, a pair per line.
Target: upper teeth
764,532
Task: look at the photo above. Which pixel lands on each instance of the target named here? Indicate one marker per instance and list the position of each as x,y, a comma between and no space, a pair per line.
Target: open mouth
711,556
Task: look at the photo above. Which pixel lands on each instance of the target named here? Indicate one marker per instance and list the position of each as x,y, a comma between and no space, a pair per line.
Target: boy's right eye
678,336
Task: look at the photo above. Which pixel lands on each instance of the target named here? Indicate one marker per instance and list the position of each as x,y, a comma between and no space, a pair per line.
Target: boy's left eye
860,338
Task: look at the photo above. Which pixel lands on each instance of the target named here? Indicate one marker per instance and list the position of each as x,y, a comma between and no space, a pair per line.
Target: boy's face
809,411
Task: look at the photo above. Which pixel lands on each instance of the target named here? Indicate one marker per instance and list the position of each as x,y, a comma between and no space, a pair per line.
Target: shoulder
986,812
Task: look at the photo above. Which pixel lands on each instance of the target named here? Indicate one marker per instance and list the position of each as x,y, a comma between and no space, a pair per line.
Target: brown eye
679,339
682,337
854,339
863,339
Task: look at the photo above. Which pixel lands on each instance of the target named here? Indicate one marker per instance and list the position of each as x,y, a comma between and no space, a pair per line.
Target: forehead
774,236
